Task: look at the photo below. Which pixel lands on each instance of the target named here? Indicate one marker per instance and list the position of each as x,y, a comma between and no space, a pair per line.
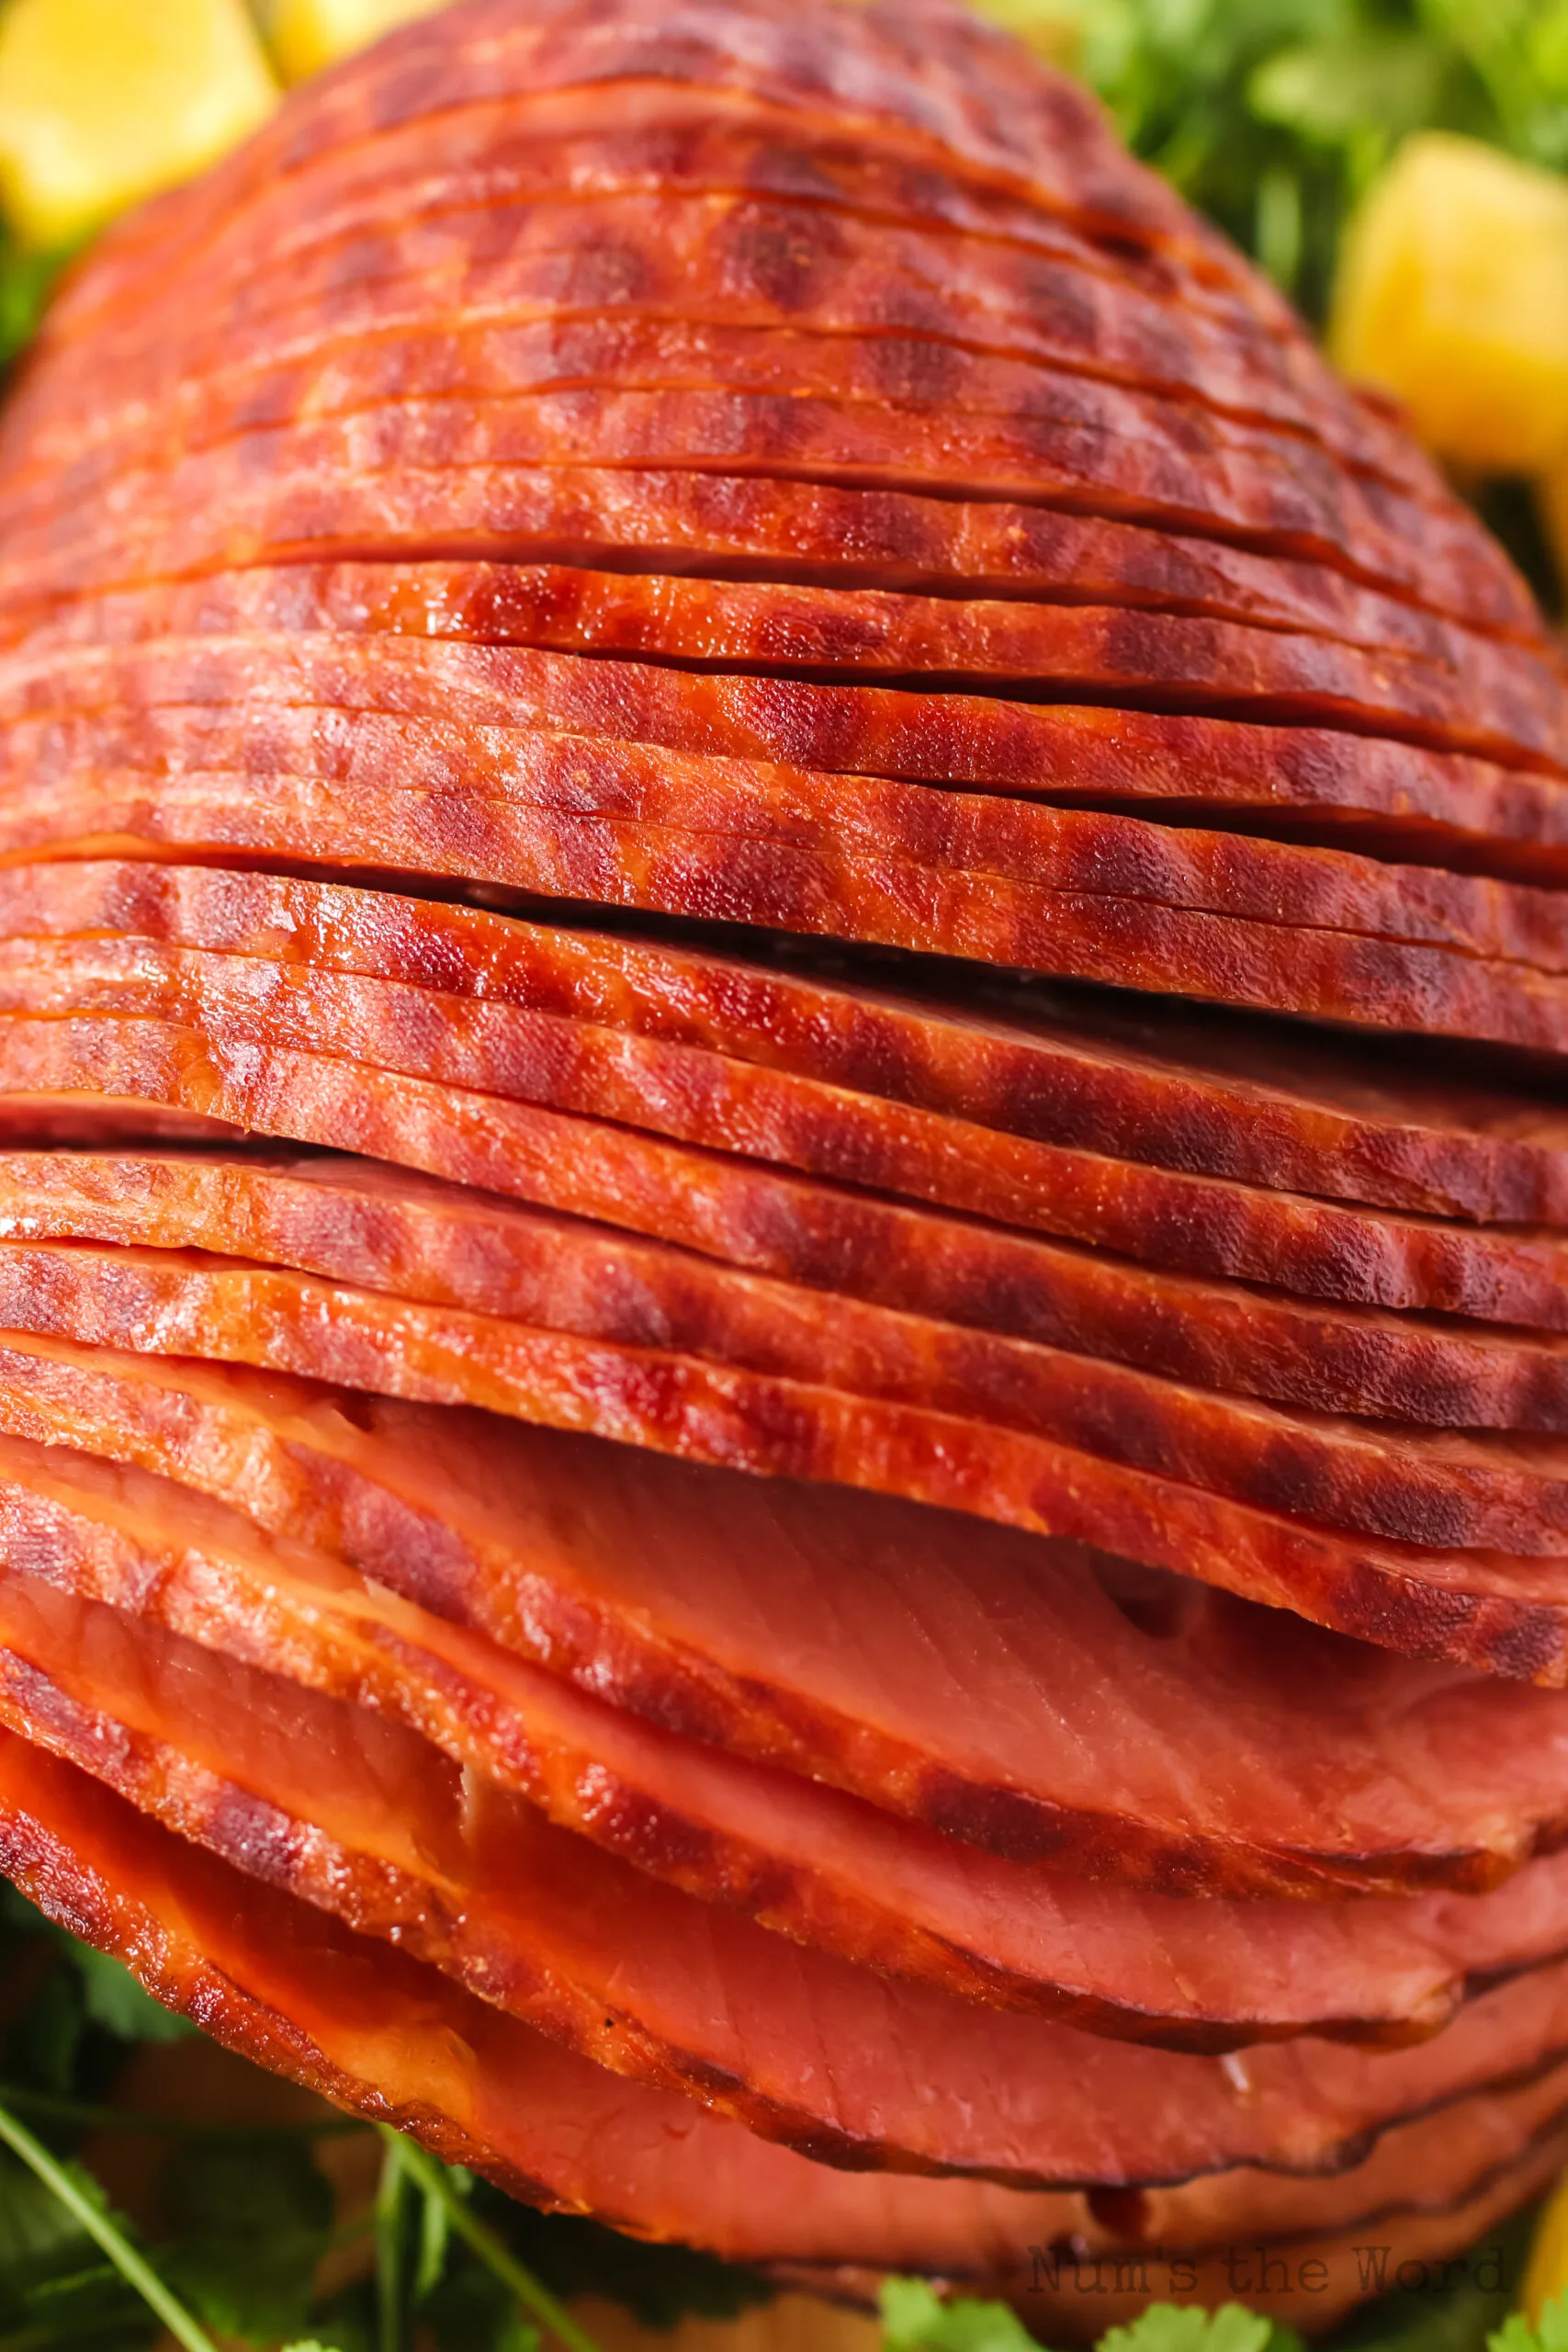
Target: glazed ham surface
783,1184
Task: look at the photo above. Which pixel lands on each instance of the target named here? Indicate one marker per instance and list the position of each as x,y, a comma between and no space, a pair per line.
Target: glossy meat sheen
1508,1615
811,230
1265,1105
752,284
354,1222
745,526
339,1807
624,826
1074,439
764,1224
1030,1293
633,288
1051,560
378,2033
819,1866
789,1627
153,762
335,485
1006,671
465,694
920,161
820,1233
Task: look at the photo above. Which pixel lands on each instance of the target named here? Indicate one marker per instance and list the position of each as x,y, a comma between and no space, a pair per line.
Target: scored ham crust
337,1807
750,644
1506,1613
796,209
334,483
355,1223
1265,1105
932,171
1022,553
1037,1298
753,642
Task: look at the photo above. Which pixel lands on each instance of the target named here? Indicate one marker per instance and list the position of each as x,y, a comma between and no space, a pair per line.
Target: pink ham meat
339,1807
1209,1798
378,2033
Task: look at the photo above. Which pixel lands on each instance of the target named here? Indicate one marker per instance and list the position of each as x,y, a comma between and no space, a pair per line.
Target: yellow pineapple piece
1454,296
308,34
1546,2272
102,101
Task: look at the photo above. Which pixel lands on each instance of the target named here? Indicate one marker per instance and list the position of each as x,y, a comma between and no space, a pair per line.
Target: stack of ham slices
783,1193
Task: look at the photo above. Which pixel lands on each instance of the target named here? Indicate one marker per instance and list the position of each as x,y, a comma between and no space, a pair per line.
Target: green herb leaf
659,2285
254,2218
1550,2334
435,2180
84,2202
1171,2327
915,2318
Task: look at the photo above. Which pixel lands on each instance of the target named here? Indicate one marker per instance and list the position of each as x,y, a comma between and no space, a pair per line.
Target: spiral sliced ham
783,1196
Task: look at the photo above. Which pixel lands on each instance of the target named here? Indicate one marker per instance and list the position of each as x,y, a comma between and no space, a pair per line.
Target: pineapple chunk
102,101
308,34
1454,296
1546,2273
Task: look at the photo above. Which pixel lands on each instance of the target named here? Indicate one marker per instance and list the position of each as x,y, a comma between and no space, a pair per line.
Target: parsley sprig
1274,116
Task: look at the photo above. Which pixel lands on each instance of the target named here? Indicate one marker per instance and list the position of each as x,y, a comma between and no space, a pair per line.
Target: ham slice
341,1808
932,180
1042,1295
1005,674
1089,895
1210,1797
356,1223
907,313
378,2033
1505,1613
1437,805
1304,2280
1016,426
1262,1104
1094,448
737,526
1044,1723
1130,316
743,867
